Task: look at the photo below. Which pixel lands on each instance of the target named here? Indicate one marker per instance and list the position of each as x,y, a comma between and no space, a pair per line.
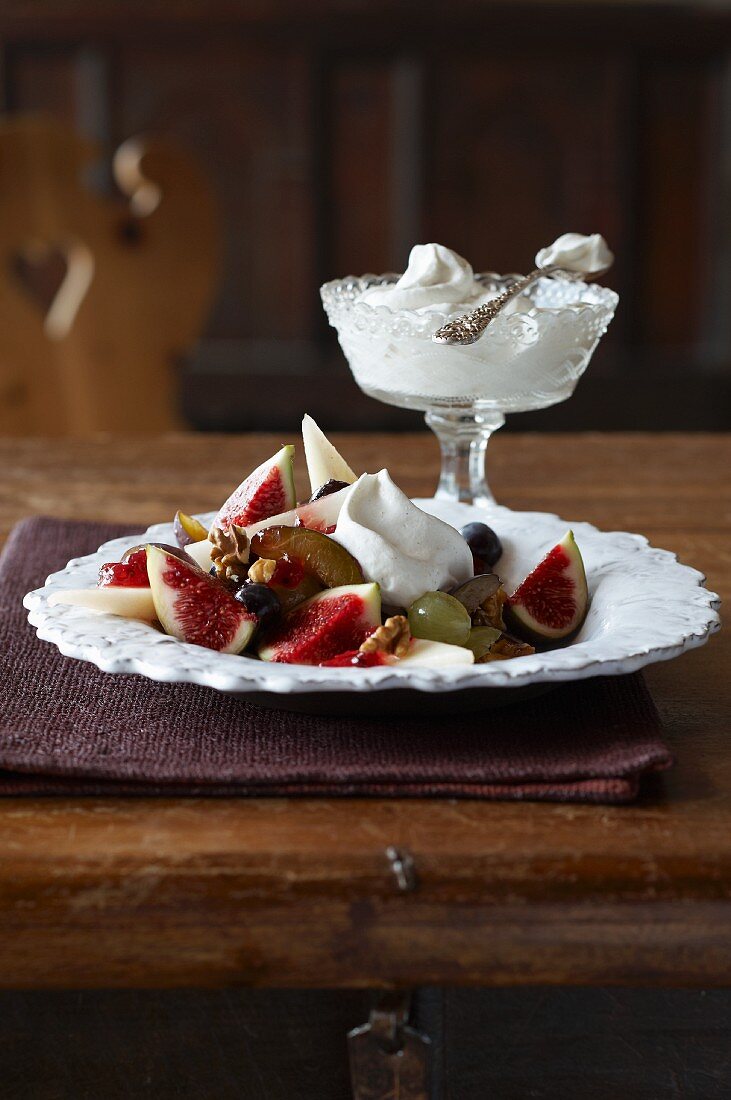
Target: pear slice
316,515
324,462
200,553
427,654
128,603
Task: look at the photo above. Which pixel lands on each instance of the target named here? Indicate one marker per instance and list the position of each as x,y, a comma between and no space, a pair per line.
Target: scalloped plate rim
248,675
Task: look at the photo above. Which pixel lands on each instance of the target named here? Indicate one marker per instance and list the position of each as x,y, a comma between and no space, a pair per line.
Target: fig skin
176,551
520,631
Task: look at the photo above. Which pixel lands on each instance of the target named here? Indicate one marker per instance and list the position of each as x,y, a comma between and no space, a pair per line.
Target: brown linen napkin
67,728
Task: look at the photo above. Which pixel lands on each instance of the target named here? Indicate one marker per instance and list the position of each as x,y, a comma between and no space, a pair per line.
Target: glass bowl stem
463,436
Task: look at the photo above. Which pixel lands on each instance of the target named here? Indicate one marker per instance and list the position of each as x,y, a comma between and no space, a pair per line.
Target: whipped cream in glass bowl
531,355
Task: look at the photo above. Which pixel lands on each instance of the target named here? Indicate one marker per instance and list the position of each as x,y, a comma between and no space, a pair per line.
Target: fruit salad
355,577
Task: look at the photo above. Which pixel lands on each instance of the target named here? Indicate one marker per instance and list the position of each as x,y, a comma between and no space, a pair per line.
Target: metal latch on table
389,1059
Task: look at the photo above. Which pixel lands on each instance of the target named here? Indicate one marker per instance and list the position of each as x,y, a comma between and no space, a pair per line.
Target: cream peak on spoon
572,256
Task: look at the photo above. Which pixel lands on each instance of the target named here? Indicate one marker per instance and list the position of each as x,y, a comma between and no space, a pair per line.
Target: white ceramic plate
645,607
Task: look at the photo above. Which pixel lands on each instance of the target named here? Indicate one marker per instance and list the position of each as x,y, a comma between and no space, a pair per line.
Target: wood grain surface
125,893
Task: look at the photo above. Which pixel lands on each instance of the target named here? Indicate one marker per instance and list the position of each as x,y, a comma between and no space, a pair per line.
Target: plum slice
188,529
289,594
195,607
317,555
330,623
141,548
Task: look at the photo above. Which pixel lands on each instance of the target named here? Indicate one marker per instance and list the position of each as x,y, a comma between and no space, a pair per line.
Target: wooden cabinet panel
246,113
524,148
360,167
42,80
677,155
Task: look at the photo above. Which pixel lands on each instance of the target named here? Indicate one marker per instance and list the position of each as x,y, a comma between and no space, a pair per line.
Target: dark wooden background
339,132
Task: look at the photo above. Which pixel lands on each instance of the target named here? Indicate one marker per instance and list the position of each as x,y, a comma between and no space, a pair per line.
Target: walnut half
490,613
262,571
230,551
505,648
393,637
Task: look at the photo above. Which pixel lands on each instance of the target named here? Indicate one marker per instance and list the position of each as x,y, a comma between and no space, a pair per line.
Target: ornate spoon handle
470,327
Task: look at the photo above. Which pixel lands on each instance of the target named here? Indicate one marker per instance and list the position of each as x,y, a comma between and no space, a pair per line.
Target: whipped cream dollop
406,551
575,252
436,278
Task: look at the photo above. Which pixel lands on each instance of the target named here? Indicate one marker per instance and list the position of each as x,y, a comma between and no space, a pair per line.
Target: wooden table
136,892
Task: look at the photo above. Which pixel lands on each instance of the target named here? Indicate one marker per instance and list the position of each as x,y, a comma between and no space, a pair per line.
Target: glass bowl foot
463,436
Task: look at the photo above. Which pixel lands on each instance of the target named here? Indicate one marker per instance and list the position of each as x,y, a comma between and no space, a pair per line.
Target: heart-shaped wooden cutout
56,278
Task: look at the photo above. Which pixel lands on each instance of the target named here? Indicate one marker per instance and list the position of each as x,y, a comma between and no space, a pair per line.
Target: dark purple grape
483,542
331,486
259,600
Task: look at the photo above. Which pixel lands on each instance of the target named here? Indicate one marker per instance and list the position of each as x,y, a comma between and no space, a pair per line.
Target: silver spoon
470,327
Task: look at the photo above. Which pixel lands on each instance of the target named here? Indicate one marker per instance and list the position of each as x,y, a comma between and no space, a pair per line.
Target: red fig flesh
551,603
194,607
266,492
329,624
130,573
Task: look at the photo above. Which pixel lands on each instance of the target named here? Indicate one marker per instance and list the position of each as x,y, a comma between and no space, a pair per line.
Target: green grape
438,617
481,639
